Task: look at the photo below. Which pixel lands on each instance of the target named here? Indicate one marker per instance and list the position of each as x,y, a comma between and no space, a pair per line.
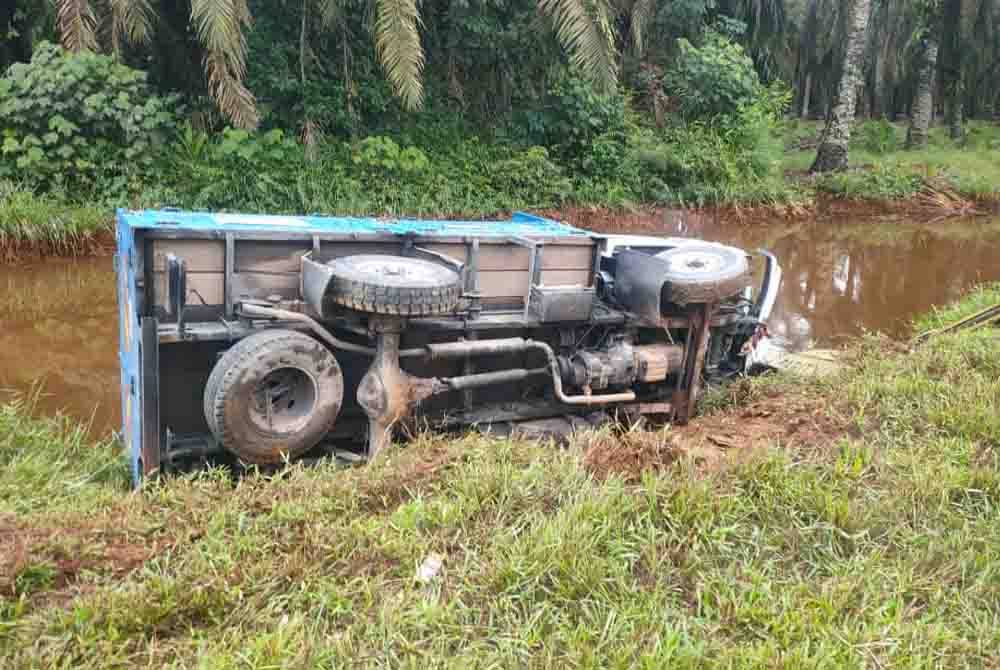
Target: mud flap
315,280
639,280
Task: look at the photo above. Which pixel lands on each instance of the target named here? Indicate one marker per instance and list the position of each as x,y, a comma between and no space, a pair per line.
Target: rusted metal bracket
386,392
687,393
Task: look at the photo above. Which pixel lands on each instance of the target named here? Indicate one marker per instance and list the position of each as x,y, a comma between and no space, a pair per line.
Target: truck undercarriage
257,339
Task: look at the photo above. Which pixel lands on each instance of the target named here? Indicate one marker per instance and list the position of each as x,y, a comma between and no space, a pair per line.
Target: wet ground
58,330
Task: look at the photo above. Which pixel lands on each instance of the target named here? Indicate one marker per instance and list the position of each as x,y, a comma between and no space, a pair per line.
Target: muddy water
58,323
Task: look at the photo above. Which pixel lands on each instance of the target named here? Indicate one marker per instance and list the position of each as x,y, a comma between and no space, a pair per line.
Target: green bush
79,119
714,79
574,116
877,136
728,159
530,179
380,156
234,169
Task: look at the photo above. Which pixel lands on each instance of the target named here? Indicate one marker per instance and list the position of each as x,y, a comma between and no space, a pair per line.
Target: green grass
34,224
887,170
878,546
980,298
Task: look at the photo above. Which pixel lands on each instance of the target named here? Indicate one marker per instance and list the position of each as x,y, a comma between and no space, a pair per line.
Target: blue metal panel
129,338
519,225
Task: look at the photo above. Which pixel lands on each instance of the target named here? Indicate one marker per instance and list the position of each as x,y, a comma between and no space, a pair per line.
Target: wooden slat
199,255
270,256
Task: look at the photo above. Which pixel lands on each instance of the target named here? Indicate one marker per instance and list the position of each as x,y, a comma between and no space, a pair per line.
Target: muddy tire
703,273
393,285
273,395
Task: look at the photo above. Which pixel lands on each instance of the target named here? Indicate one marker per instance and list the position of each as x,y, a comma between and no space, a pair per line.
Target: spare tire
393,285
273,395
702,273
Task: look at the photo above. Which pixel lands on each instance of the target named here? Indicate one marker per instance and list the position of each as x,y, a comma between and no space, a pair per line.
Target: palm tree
923,107
218,24
952,48
832,152
923,100
584,29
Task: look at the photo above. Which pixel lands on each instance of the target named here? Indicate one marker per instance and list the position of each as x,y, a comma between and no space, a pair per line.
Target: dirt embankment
779,418
20,250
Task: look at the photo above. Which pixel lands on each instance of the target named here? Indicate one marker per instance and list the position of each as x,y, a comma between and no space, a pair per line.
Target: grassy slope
44,224
873,540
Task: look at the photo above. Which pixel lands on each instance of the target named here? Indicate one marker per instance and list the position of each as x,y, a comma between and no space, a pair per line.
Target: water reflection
58,331
58,319
843,279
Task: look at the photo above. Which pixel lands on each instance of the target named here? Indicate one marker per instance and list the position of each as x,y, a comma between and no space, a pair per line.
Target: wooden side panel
270,257
265,268
201,286
507,283
256,285
200,255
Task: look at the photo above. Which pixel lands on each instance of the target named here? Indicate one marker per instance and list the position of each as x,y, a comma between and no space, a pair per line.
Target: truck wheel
273,395
393,285
701,273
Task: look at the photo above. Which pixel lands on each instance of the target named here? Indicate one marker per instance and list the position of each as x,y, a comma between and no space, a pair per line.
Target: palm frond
219,25
643,12
584,29
77,25
330,12
397,43
131,20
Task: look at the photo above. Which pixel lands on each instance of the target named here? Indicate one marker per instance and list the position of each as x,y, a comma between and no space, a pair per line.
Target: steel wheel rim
283,401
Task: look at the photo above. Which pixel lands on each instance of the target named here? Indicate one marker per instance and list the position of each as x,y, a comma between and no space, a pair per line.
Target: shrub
78,119
380,156
234,169
529,177
878,137
714,79
574,116
728,158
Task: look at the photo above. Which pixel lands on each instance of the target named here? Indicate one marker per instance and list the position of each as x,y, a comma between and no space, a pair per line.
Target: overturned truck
257,339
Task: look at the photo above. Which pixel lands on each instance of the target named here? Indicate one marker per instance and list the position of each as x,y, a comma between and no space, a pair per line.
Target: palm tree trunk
955,113
951,65
923,100
806,92
832,152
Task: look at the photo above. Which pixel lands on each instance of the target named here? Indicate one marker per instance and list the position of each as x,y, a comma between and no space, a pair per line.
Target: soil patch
47,560
781,419
418,467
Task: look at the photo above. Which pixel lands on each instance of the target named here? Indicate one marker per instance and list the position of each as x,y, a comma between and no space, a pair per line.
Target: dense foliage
81,118
308,105
714,79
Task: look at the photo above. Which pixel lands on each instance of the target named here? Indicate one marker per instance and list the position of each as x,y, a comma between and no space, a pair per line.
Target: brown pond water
58,320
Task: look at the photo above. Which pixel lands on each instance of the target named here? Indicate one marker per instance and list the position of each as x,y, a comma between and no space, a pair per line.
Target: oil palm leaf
77,25
131,20
397,43
220,25
643,12
584,29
